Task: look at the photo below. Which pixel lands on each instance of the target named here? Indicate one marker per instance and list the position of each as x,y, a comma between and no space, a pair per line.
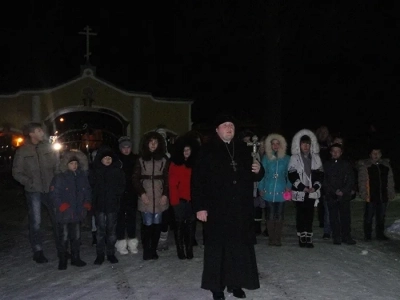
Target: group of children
312,176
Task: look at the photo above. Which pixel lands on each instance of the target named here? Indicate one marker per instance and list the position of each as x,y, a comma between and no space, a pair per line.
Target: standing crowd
225,184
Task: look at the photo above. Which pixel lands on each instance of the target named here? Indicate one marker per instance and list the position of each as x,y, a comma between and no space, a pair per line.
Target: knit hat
124,141
223,118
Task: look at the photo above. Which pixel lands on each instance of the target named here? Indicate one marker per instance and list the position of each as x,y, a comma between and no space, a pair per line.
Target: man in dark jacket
222,196
338,184
35,163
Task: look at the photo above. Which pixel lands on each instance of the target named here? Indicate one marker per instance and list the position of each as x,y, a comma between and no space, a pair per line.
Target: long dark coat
227,196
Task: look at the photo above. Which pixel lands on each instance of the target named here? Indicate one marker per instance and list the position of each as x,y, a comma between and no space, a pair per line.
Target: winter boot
132,245
99,259
39,257
309,241
155,237
112,259
380,229
121,247
178,234
163,242
94,238
194,235
257,227
188,238
76,260
367,231
302,239
62,261
271,231
146,242
278,233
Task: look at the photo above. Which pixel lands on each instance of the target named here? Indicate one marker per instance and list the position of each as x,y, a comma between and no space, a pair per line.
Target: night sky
327,63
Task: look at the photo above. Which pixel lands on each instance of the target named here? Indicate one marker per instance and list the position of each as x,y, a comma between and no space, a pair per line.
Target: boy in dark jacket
70,193
338,184
376,187
107,180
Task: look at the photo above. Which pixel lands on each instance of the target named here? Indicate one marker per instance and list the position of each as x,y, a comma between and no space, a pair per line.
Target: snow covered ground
363,271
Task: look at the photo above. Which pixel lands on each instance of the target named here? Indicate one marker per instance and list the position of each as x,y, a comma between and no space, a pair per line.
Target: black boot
257,227
380,229
146,242
302,239
188,238
94,238
367,231
194,235
62,261
179,240
76,260
112,259
99,259
155,237
39,257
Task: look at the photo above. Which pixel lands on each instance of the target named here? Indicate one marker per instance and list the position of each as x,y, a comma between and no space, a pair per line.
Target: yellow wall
175,115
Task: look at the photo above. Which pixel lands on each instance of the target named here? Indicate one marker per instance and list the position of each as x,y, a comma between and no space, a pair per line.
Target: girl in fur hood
274,183
306,175
71,194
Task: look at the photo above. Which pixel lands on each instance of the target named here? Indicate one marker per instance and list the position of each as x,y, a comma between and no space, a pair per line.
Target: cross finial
88,33
255,144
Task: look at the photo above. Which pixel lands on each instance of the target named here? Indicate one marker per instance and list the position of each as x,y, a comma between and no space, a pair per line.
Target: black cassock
222,184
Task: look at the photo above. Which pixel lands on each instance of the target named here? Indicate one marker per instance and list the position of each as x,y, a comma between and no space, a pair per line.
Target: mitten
87,205
64,207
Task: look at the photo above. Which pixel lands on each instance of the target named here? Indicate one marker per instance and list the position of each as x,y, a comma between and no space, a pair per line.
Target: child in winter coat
376,187
70,193
108,183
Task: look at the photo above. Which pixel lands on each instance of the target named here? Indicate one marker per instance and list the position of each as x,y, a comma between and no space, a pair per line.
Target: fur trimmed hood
268,147
296,141
83,163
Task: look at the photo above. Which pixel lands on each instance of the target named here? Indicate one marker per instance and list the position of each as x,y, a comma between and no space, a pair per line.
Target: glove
64,207
87,205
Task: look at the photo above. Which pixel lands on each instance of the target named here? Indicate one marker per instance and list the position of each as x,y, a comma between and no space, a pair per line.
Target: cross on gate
88,33
255,144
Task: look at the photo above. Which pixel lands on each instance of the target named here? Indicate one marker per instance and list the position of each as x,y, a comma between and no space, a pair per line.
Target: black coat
129,196
108,183
227,196
338,175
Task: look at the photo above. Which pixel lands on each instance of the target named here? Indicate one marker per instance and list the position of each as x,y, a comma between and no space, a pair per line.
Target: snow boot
121,247
302,239
132,245
178,234
309,241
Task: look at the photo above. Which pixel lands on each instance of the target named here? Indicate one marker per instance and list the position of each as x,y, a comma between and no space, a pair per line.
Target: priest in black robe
222,195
